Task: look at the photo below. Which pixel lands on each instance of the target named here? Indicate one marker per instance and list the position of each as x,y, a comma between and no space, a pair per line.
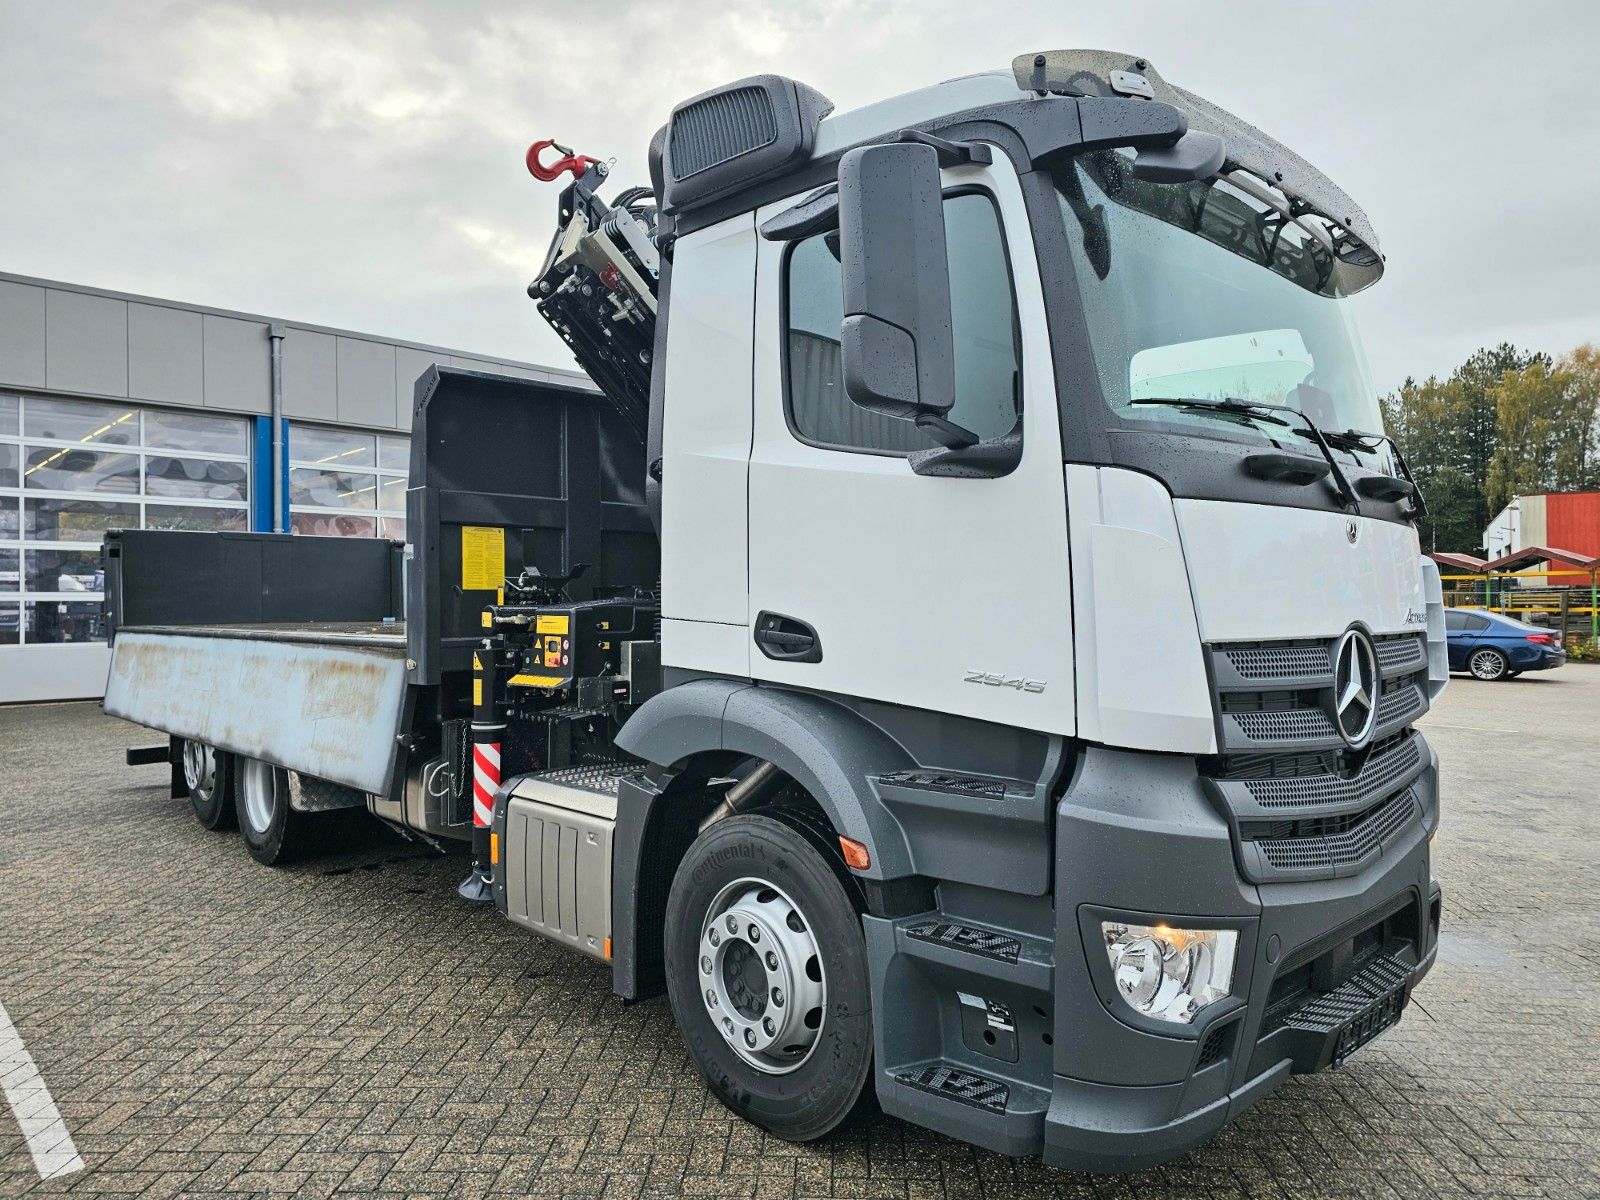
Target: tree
1546,428
1450,431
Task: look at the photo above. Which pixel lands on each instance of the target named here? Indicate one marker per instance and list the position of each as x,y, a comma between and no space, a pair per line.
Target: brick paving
211,1027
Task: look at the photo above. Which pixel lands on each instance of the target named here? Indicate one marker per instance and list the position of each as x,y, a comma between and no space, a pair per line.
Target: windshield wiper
1356,439
1265,412
1240,408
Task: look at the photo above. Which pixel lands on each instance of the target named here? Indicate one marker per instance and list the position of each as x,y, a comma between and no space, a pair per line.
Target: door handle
787,639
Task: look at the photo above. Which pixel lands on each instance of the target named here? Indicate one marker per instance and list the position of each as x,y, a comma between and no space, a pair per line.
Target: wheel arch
827,749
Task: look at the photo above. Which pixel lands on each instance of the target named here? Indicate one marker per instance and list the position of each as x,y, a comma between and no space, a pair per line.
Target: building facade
1565,520
121,411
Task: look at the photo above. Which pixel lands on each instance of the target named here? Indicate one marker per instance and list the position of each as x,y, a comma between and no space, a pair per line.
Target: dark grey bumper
1140,835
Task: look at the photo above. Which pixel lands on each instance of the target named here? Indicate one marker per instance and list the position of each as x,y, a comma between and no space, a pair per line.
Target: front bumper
1323,964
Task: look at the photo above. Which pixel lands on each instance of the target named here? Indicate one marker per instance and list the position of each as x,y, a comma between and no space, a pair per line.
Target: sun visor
1112,74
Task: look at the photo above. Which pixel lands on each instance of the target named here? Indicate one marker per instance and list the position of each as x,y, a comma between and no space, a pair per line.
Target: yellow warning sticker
559,623
477,693
483,558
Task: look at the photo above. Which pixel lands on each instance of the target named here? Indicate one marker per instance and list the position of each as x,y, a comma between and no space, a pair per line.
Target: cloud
359,163
232,63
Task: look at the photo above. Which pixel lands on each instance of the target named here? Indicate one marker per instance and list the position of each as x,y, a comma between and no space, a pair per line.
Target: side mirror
896,342
1195,155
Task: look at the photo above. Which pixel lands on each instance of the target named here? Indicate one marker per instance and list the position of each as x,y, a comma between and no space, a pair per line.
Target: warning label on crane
483,558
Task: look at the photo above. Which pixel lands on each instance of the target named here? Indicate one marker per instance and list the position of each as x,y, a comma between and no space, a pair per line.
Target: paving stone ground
211,1027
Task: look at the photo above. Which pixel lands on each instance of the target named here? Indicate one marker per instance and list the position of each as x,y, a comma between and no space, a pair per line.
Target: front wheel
207,774
767,973
1487,664
270,826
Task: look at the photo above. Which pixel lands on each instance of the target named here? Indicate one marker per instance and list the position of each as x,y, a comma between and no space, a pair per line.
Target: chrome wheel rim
199,768
760,976
258,788
1486,664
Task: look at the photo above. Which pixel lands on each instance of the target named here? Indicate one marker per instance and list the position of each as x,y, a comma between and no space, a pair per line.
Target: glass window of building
72,469
346,483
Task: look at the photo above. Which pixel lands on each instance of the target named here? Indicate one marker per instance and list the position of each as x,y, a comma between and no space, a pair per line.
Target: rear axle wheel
271,828
207,774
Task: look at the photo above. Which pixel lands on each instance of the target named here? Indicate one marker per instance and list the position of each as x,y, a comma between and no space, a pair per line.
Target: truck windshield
1197,291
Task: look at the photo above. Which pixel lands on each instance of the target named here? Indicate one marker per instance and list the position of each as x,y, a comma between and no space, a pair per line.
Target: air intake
734,137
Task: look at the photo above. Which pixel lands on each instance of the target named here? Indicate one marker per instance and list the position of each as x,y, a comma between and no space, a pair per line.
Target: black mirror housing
896,342
1196,155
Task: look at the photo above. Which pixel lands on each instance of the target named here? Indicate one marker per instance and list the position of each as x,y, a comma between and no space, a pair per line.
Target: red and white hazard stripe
485,782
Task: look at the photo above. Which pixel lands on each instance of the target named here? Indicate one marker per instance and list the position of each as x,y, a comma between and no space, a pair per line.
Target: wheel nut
755,934
711,998
769,1026
750,1038
777,997
727,1026
705,963
772,961
716,938
733,924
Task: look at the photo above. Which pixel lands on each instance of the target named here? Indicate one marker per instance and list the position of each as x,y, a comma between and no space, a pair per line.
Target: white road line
54,1155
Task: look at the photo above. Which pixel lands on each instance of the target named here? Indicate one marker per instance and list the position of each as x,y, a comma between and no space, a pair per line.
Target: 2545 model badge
1011,681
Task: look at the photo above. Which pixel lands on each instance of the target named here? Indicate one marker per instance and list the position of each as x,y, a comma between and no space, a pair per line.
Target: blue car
1490,646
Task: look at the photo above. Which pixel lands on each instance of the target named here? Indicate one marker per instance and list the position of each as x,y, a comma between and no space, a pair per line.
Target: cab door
866,579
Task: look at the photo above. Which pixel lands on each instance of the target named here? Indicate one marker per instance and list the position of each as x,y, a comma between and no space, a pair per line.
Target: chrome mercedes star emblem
1355,687
1351,532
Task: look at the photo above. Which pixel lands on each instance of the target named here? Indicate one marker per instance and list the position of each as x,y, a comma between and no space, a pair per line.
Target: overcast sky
360,164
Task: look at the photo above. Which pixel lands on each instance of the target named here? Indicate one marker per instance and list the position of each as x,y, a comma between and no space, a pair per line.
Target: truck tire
272,830
208,775
767,972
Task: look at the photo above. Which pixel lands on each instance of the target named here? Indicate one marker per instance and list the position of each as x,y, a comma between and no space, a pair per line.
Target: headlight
1170,974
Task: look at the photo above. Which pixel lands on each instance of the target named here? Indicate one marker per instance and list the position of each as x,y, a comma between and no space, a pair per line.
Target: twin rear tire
767,972
227,790
208,774
273,831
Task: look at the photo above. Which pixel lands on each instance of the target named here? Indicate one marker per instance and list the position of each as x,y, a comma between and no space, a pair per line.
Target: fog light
1170,974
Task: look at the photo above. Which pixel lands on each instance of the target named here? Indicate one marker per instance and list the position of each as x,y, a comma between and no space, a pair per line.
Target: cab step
966,946
990,831
998,1114
965,1087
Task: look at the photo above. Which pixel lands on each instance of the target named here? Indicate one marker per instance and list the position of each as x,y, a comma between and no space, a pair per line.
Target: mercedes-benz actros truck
967,652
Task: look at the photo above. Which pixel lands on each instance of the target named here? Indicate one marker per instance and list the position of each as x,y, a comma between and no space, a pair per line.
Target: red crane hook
571,161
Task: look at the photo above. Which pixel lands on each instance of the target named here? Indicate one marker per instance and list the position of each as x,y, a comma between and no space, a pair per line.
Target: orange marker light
856,856
494,849
607,949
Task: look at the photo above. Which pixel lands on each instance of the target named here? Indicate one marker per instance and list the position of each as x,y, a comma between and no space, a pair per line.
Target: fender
826,748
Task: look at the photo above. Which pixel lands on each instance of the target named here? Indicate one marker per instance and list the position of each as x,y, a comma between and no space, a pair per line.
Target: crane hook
571,161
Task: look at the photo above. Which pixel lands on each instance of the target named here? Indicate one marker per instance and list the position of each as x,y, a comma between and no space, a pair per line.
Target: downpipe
275,335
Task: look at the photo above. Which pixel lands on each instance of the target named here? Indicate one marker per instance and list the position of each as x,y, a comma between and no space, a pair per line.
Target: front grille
1403,700
1300,802
1403,652
1276,662
1286,725
1396,760
1322,843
